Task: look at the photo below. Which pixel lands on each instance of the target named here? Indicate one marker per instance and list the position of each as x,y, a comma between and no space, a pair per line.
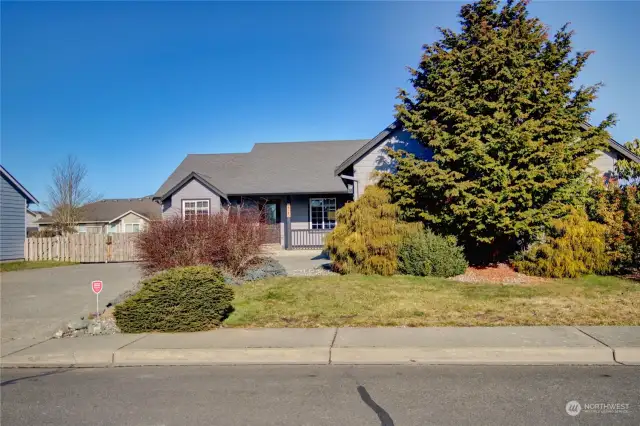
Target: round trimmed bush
424,253
193,298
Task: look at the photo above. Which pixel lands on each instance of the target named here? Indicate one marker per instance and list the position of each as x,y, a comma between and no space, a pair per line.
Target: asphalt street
322,395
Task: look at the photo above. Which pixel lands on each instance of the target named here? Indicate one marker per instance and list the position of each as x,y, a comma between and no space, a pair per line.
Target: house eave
277,193
366,148
619,148
129,212
184,181
25,193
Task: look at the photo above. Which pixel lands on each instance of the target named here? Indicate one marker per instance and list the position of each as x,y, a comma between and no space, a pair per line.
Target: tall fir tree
497,106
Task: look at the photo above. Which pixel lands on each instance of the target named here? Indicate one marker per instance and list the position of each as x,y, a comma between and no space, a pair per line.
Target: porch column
287,224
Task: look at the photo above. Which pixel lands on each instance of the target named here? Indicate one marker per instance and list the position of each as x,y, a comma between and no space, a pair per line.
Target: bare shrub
228,240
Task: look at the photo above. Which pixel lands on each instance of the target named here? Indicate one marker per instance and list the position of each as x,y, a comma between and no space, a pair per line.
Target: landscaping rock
313,272
98,325
78,325
95,328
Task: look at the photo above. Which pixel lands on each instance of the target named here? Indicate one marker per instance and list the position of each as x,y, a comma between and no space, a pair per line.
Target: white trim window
132,227
322,213
191,209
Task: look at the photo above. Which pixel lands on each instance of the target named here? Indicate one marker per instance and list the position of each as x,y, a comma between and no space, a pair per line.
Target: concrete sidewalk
437,345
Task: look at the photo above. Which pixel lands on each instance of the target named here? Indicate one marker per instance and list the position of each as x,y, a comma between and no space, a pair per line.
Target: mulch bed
500,273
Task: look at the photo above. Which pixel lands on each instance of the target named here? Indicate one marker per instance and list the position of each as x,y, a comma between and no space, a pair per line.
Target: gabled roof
269,168
193,175
26,194
366,148
373,143
105,211
619,148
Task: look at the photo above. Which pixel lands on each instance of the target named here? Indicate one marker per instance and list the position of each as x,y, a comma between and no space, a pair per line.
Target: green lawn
367,301
21,265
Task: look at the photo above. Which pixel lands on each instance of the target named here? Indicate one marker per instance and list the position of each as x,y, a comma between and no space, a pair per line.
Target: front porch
297,221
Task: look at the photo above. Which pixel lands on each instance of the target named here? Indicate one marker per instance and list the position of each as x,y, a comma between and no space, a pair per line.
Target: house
300,185
14,202
113,216
33,216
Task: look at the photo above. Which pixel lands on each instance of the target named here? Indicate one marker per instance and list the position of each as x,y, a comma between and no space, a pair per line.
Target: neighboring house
113,216
14,201
33,216
300,185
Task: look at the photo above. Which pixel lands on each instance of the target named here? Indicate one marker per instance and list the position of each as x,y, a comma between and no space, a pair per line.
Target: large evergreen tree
496,104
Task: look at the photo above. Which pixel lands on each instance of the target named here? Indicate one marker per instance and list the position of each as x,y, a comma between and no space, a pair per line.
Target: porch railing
308,238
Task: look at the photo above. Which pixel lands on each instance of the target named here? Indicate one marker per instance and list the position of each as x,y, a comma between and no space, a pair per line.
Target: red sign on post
96,286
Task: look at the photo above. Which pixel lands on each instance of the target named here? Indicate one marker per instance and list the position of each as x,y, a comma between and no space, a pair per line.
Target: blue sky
131,87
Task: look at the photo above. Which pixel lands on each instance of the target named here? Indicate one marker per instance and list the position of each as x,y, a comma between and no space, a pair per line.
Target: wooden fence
82,248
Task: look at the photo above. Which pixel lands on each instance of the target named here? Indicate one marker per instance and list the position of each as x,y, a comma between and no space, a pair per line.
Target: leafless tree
68,193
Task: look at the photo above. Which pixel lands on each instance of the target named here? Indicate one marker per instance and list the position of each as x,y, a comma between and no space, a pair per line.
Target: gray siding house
123,215
300,185
14,200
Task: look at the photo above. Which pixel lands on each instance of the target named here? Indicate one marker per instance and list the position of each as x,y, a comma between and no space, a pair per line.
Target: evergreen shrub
423,253
193,298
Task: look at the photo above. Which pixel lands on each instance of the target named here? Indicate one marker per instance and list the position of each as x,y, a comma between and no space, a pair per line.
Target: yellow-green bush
193,298
367,235
574,246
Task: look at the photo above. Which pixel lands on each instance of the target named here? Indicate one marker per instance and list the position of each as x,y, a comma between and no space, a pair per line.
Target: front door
271,212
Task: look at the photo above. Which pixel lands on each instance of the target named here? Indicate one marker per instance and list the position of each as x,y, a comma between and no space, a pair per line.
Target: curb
327,356
71,359
474,356
627,356
250,356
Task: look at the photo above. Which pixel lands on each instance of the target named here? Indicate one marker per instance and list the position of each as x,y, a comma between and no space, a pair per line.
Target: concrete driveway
302,262
35,303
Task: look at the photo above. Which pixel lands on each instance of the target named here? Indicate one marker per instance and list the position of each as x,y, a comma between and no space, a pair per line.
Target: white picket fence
82,248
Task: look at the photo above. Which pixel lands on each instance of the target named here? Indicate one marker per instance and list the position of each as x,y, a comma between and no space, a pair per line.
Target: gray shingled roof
107,210
270,168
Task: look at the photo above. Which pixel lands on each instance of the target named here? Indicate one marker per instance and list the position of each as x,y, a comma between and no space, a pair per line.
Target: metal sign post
96,286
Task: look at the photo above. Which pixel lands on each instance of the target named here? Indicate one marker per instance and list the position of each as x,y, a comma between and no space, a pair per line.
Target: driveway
35,303
303,262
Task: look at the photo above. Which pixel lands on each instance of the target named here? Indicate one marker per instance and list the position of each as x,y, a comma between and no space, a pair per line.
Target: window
194,208
113,228
82,228
323,213
131,227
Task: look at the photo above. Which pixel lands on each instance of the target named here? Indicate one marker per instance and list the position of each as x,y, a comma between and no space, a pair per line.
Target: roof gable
9,177
192,176
619,148
366,148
